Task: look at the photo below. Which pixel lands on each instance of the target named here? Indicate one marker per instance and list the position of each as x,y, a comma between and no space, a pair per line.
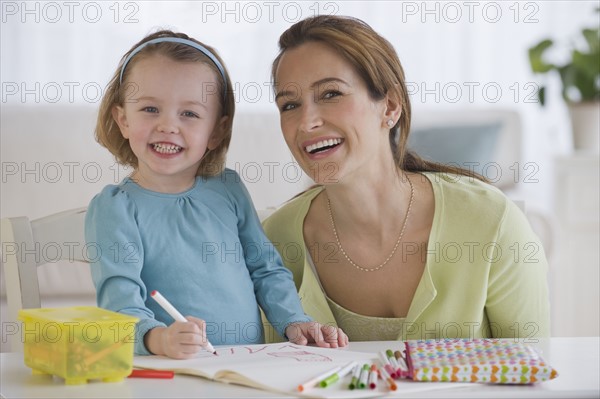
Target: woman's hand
181,340
323,335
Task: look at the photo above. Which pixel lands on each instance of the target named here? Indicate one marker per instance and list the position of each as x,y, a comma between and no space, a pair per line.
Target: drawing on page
302,356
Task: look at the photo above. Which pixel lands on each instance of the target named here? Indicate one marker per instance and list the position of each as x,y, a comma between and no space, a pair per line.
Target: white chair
25,246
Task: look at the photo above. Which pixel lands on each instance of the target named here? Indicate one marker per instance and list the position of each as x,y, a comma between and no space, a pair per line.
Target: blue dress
203,249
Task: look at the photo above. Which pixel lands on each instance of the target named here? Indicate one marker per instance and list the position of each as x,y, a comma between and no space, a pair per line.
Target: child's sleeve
517,302
116,259
273,283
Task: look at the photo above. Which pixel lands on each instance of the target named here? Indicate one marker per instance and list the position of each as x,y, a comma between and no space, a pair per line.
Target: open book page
280,368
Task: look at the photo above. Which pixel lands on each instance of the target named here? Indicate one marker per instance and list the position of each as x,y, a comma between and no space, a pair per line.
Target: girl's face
170,117
333,128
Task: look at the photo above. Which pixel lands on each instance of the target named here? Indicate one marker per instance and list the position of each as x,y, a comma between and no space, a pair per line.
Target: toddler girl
181,223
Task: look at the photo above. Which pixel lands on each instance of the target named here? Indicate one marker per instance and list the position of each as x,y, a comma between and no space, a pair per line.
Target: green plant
580,76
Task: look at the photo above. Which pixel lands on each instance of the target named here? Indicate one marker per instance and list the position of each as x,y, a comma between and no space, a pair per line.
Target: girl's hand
178,341
322,335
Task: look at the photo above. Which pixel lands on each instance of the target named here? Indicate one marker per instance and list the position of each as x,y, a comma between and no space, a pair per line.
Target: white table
577,361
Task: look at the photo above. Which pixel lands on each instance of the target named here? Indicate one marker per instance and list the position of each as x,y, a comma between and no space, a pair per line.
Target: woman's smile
322,147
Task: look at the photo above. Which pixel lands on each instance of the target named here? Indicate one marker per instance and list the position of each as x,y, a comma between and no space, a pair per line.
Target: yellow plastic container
78,343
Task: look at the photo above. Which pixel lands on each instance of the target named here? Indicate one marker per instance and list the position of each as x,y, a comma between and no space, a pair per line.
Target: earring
390,123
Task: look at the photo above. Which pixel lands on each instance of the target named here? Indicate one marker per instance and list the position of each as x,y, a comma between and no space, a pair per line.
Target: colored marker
398,355
355,377
384,358
373,377
387,378
170,309
364,376
137,373
335,377
398,363
403,366
387,365
402,348
393,373
401,361
314,381
392,359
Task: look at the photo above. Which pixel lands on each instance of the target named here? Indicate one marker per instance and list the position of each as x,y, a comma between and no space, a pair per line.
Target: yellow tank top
359,327
365,328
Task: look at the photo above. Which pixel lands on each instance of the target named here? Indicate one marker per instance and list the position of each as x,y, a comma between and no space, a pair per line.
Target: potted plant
580,77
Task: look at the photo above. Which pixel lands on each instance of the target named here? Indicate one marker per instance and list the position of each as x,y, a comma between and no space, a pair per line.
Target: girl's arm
116,259
273,283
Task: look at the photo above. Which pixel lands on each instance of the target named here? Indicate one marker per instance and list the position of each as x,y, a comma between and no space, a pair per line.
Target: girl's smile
166,149
171,120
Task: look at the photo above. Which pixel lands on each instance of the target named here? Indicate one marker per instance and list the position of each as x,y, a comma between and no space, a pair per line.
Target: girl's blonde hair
107,131
377,63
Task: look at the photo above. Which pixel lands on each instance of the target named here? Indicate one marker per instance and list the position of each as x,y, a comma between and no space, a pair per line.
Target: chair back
28,244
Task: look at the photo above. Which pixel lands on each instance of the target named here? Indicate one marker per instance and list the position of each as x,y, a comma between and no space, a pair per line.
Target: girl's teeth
323,144
166,148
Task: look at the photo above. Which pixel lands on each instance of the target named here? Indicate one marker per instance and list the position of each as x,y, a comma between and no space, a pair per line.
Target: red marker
137,373
386,365
373,377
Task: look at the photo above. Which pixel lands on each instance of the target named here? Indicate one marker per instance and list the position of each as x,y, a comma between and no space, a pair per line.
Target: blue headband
187,42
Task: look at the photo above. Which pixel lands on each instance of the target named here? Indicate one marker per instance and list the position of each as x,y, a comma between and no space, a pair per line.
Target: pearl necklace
337,239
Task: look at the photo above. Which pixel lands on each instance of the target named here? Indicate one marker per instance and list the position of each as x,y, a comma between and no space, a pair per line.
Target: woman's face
330,123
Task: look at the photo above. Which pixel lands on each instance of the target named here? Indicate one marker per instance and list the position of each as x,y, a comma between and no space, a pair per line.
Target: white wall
456,54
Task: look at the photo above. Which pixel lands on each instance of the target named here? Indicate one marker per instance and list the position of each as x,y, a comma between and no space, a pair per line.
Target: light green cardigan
485,274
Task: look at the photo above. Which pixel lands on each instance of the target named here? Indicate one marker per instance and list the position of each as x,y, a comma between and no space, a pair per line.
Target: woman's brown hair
376,62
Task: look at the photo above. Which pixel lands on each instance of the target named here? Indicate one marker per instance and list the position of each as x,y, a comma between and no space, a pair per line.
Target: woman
387,245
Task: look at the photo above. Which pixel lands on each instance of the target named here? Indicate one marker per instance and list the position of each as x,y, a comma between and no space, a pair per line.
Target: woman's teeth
166,148
322,145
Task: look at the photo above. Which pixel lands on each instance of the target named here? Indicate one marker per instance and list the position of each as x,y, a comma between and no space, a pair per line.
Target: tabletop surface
577,361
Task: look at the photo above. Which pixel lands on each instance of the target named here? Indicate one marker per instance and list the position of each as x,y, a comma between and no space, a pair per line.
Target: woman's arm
517,302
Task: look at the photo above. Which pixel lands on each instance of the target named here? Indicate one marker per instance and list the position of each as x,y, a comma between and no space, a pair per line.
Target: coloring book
280,368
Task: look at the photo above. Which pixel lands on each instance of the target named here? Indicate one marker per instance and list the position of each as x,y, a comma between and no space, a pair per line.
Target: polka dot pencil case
476,360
